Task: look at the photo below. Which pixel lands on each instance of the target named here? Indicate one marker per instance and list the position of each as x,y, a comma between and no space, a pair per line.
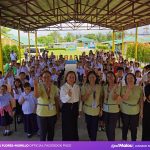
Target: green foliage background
6,52
143,52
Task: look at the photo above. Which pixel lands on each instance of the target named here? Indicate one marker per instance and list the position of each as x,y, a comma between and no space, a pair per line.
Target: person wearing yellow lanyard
131,106
91,95
47,106
110,105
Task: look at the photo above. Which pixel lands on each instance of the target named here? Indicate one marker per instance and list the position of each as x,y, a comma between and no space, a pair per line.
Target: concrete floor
19,135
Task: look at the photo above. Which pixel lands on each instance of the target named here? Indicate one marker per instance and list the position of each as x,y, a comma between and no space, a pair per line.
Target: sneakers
101,129
19,120
29,135
7,133
4,133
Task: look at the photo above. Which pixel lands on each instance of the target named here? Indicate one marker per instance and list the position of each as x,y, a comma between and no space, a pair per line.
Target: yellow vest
131,106
91,106
43,107
110,105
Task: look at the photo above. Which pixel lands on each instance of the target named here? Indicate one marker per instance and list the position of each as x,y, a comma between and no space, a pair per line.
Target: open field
62,52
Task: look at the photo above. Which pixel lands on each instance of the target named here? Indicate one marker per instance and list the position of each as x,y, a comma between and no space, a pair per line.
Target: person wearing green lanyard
91,95
47,106
131,106
111,105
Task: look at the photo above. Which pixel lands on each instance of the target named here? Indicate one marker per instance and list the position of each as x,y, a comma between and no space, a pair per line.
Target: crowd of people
103,86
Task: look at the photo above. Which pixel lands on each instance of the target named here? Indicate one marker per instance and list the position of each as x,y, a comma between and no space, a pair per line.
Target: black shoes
29,135
8,133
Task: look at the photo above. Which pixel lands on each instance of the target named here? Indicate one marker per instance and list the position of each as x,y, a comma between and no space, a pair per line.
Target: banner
74,145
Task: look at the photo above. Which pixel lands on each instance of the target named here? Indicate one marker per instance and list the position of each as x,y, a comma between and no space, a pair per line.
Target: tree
46,40
6,52
90,36
69,37
118,35
143,52
100,37
56,36
77,36
5,30
109,36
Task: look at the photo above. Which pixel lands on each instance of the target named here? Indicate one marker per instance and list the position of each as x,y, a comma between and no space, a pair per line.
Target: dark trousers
110,123
92,126
146,122
129,122
30,123
46,127
70,114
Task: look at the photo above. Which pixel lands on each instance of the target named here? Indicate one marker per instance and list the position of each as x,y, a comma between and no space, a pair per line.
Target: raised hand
70,92
36,82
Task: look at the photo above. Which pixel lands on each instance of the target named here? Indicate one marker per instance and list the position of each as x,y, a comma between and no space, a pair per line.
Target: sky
141,30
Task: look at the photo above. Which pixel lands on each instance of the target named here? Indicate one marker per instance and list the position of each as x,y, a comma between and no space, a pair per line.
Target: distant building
129,39
86,42
13,40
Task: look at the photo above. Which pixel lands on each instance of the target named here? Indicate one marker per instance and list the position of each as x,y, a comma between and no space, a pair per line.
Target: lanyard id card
94,104
50,106
105,107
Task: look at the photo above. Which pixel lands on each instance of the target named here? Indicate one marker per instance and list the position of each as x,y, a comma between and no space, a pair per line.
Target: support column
29,43
1,53
122,42
19,47
136,42
113,41
37,53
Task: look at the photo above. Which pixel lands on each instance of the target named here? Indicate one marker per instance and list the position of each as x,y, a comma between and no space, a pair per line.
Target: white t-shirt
13,56
65,98
2,81
29,104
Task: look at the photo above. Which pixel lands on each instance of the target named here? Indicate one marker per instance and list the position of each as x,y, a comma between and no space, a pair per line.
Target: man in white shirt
13,56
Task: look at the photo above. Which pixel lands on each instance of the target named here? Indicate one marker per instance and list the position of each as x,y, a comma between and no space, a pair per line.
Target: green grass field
61,52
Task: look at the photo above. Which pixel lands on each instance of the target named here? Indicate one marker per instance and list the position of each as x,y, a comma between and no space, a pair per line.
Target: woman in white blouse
70,95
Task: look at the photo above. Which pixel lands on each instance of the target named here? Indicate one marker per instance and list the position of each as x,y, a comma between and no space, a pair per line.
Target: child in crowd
138,77
1,79
28,102
54,76
6,111
18,69
22,77
24,68
80,72
9,78
17,90
32,77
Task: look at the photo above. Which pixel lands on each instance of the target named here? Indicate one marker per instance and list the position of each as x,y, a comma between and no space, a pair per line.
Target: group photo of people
103,91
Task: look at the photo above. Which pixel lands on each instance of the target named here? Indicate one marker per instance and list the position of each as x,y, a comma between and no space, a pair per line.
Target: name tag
94,104
50,106
105,107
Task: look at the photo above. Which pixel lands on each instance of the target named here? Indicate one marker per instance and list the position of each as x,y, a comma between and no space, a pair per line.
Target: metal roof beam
69,6
137,13
108,2
118,11
16,4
